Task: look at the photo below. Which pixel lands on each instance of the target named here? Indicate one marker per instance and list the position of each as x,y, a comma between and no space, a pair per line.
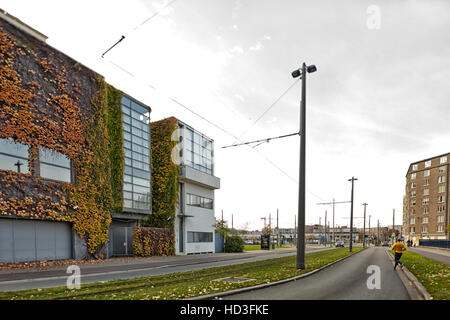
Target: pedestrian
398,248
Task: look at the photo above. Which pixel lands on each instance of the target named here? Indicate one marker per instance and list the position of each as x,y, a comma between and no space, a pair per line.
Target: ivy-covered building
75,171
183,170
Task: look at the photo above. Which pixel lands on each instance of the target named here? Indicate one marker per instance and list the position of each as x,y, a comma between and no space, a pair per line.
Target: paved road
344,280
12,280
439,255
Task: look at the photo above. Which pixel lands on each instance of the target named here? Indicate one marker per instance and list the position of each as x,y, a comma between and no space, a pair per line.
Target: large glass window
199,237
54,165
136,147
198,151
198,201
13,156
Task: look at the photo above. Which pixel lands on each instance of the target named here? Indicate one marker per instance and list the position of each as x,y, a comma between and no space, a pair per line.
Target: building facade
425,204
195,223
74,155
191,191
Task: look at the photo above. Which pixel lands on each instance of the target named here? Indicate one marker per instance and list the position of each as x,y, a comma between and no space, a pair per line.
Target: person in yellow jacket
398,248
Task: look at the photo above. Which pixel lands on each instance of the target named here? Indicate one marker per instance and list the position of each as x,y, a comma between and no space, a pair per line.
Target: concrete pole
278,231
301,182
334,241
364,228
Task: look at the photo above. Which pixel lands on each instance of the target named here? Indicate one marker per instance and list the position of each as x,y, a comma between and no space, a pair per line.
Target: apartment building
425,204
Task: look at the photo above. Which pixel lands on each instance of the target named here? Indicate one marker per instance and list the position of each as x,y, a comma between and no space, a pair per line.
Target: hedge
148,241
234,244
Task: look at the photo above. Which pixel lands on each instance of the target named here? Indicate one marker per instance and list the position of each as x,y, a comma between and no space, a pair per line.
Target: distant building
425,204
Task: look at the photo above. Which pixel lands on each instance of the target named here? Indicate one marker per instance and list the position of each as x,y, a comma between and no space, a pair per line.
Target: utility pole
270,221
393,225
301,182
270,230
370,239
278,231
364,228
333,203
378,223
232,221
351,214
295,229
325,228
264,218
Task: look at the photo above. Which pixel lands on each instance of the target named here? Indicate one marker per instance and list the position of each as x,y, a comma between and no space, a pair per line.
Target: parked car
385,244
339,244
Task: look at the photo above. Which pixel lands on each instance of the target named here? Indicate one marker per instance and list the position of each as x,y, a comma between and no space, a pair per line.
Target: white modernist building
195,219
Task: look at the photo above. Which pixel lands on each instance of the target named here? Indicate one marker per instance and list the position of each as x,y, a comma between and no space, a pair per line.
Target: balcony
194,176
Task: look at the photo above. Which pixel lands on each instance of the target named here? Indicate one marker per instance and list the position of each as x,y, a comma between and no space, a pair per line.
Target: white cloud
237,49
239,97
258,46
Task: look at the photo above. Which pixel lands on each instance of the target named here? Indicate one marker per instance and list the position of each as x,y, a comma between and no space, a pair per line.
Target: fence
435,243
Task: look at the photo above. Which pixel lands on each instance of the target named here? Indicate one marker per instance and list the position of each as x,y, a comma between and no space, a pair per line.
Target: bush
153,242
234,244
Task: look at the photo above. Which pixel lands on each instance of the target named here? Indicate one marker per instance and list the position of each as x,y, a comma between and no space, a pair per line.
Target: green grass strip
252,247
433,275
183,285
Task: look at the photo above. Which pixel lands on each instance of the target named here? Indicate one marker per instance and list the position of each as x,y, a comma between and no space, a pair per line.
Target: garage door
28,240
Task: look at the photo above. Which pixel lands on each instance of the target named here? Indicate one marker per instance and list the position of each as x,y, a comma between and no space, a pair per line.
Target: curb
265,285
423,293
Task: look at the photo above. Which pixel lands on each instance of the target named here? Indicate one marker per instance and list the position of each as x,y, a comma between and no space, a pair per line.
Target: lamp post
301,183
364,228
351,215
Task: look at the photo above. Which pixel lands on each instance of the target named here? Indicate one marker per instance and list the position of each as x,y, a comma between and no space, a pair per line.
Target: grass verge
433,275
251,247
186,284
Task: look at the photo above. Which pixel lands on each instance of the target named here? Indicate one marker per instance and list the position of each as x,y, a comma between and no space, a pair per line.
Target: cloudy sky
378,101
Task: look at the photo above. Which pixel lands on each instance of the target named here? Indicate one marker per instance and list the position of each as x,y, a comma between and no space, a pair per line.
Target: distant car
385,244
339,244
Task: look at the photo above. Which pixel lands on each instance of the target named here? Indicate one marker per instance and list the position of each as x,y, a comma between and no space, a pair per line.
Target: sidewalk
436,254
141,262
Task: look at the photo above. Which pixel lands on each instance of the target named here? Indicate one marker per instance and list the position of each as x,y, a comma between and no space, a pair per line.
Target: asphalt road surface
12,280
438,255
346,280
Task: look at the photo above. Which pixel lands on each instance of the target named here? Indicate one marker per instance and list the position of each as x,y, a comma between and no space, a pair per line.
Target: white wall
202,220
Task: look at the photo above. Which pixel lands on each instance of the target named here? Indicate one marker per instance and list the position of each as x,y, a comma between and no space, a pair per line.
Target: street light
353,179
301,183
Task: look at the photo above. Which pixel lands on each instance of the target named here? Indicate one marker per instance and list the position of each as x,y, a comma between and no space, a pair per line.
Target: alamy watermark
374,280
74,280
374,17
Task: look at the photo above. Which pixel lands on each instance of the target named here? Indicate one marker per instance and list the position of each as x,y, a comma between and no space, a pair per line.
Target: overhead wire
138,26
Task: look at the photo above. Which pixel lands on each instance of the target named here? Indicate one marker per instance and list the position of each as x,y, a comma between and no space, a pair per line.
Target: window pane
12,148
53,157
138,108
141,205
54,173
126,101
141,182
127,195
141,174
126,119
140,189
9,163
